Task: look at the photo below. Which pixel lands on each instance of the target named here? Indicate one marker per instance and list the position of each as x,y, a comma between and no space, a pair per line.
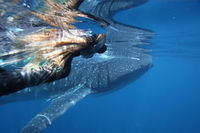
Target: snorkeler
50,49
38,72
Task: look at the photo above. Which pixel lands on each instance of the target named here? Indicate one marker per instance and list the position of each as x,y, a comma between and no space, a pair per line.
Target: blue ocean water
163,100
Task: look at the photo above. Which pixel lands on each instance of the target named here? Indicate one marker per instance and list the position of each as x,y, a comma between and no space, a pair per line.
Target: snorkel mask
97,45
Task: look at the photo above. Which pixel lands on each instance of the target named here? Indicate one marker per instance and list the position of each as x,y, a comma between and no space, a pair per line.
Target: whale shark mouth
124,60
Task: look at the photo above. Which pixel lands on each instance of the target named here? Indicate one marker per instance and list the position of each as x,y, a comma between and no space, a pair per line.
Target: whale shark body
123,62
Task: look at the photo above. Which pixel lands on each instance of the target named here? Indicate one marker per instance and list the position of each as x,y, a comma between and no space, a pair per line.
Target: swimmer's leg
56,108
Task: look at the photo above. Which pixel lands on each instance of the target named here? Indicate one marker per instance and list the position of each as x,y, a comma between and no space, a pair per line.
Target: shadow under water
124,60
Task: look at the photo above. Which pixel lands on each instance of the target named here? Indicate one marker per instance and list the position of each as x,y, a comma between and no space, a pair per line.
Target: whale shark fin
122,40
57,107
107,8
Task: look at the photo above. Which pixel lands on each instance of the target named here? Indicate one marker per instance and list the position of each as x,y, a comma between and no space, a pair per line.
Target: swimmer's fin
1,70
57,107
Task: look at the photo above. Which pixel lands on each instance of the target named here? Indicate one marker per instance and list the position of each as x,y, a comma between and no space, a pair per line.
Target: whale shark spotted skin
123,62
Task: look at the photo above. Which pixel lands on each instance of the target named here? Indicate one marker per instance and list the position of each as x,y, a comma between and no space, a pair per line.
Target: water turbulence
32,32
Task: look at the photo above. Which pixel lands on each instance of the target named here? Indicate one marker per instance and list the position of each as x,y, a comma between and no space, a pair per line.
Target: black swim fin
2,70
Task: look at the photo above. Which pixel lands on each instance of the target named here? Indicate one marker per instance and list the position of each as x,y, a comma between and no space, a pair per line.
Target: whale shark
124,61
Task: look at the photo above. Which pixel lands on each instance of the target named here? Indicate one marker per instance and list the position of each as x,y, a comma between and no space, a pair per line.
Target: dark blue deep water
166,99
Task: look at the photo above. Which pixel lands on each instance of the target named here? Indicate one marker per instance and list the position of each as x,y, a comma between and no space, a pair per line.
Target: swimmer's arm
10,82
19,79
